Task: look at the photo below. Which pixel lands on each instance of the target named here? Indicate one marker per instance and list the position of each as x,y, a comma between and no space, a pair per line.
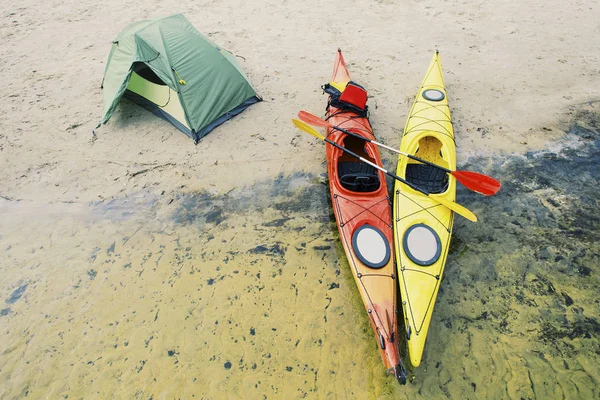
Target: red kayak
361,205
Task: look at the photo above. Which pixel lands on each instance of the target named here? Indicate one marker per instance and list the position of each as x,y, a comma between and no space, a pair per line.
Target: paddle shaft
457,208
414,187
465,212
472,180
391,149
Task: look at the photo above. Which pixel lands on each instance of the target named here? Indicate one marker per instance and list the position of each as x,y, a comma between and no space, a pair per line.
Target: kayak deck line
342,223
426,209
372,309
419,324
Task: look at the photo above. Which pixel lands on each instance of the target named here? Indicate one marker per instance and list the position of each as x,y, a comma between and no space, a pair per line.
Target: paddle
475,181
457,208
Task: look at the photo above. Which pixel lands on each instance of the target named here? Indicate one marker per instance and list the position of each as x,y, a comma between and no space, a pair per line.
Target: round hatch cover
422,245
371,246
433,95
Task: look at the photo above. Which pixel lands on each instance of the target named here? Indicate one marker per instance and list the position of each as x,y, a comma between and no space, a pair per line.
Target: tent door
152,93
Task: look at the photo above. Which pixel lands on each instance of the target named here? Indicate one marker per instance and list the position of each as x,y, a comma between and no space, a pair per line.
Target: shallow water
243,294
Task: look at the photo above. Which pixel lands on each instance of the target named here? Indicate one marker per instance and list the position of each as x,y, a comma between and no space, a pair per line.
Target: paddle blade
306,128
312,119
457,208
486,185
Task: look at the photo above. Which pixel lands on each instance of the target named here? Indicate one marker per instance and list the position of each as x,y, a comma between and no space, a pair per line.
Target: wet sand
138,265
247,293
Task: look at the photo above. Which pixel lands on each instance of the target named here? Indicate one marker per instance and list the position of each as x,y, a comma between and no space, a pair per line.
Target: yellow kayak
422,225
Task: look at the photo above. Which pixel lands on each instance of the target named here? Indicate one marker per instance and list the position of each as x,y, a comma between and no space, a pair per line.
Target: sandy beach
511,70
117,249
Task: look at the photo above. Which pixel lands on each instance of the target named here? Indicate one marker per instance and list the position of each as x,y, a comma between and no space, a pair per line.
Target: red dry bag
355,95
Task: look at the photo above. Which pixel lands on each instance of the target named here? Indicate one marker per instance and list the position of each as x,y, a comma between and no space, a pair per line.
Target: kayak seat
358,176
432,179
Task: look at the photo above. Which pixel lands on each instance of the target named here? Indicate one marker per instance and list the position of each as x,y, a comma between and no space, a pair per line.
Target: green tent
171,69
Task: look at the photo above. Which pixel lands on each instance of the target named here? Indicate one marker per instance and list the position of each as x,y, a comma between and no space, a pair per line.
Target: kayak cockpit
355,175
432,179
